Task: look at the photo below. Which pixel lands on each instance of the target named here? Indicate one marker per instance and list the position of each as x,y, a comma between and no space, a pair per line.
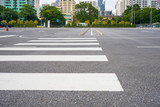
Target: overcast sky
110,4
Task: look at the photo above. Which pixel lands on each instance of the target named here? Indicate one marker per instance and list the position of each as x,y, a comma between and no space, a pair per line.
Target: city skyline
110,4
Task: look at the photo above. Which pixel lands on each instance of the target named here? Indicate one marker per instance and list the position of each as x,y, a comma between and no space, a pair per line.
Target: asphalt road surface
79,67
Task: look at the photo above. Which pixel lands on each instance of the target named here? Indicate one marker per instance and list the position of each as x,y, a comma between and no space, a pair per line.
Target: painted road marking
5,36
91,32
60,81
148,47
51,49
68,38
61,44
62,41
53,58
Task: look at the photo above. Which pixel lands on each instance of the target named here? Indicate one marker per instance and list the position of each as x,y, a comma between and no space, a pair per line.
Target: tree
85,11
145,15
122,22
12,22
1,10
8,14
87,22
4,22
113,22
28,12
95,21
104,22
156,18
52,13
126,16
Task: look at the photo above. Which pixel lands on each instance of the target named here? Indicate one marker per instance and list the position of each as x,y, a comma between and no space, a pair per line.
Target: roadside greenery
52,13
28,13
25,18
8,14
19,23
140,16
86,12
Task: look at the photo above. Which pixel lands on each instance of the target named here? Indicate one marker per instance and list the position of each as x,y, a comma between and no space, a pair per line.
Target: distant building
93,2
67,8
158,4
101,4
105,13
37,7
1,2
120,7
17,4
55,4
141,3
153,3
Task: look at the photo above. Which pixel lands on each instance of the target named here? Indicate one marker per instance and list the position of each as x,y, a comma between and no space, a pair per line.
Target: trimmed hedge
103,25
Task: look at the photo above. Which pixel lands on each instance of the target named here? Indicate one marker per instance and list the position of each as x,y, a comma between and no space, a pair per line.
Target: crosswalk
56,81
5,36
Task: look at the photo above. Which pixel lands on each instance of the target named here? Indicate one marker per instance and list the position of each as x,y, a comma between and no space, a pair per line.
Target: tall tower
68,7
1,2
37,7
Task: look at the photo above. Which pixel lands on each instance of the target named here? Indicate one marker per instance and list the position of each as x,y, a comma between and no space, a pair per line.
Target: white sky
110,4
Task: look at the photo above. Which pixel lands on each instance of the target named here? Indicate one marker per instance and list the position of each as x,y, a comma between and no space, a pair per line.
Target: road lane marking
154,47
84,32
53,58
98,31
60,81
62,41
68,38
5,36
51,49
91,32
144,31
60,44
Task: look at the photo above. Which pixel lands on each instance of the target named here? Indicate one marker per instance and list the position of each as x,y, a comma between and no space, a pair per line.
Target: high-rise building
141,3
1,2
153,3
55,4
68,7
37,7
101,5
17,4
120,7
158,4
93,2
144,3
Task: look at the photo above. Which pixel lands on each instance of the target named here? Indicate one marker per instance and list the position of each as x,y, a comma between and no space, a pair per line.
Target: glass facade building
101,4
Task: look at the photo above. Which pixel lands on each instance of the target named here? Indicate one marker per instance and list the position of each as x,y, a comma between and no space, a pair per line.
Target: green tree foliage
52,13
28,12
126,16
12,22
8,14
141,16
122,22
4,22
87,22
156,18
85,11
113,22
